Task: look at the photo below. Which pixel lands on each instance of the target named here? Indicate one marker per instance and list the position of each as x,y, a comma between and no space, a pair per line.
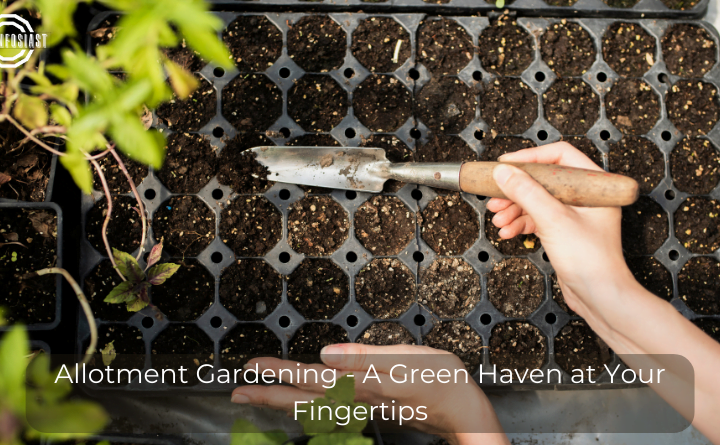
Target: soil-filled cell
251,102
395,151
247,341
640,159
680,5
251,226
518,245
182,345
567,48
579,347
692,106
192,113
116,180
27,165
450,288
317,225
695,166
382,103
445,148
586,146
652,275
571,106
250,289
385,334
312,337
632,106
621,3
318,289
498,146
190,163
98,285
688,50
254,42
709,326
186,295
460,339
515,287
449,225
628,49
697,224
185,56
699,285
317,43
124,230
558,296
317,103
517,346
505,48
127,342
446,105
444,47
239,169
644,227
509,106
186,224
384,225
381,44
385,288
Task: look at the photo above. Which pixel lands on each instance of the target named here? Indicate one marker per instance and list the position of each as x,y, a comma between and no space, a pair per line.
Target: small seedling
499,3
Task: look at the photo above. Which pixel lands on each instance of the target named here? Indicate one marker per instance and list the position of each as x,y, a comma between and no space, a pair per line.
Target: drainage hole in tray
350,133
218,132
415,133
216,257
216,322
284,194
486,319
418,256
539,76
666,135
604,135
414,74
674,255
352,321
416,194
550,318
284,321
284,73
419,320
351,257
479,134
477,75
285,132
601,77
542,135
148,322
662,77
483,256
349,72
351,194
669,195
218,72
150,194
217,194
545,257
284,257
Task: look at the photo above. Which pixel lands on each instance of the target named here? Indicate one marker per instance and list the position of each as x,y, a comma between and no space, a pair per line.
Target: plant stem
137,198
30,136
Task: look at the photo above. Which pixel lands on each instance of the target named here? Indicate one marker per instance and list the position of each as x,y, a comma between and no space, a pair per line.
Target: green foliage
500,3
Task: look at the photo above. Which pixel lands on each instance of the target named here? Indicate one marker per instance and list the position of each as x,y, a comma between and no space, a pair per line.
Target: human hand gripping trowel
367,169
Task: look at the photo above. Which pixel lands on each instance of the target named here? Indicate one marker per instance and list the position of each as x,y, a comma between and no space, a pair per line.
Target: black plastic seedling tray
351,257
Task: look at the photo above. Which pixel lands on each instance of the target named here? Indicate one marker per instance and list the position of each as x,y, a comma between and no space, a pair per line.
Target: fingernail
501,174
240,398
332,355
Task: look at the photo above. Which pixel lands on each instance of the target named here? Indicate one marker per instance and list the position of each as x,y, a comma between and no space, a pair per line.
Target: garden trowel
367,169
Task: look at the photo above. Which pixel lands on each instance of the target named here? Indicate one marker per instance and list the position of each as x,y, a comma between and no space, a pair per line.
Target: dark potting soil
98,285
505,48
190,163
449,225
317,225
652,275
186,224
318,289
252,102
560,2
567,48
314,140
709,326
688,50
586,146
317,103
116,180
385,334
446,105
385,288
516,287
382,103
450,288
498,146
558,296
254,42
24,169
571,106
518,245
182,345
517,345
312,337
185,56
628,49
250,289
621,3
695,166
697,224
632,106
32,300
644,227
460,339
444,47
579,347
681,5
127,341
186,295
192,113
692,106
239,169
247,341
445,148
640,159
699,285
395,151
316,43
375,41
509,106
124,230
251,226
384,225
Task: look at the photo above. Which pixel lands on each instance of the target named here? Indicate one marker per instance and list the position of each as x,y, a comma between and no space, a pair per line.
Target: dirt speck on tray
509,106
125,228
385,288
384,225
586,146
505,48
317,103
688,50
239,169
579,347
628,49
498,146
652,275
709,326
632,106
385,334
116,180
444,47
254,42
516,287
250,289
247,341
24,169
189,164
517,345
98,285
518,245
186,295
460,339
186,224
251,226
450,287
640,159
251,102
558,296
449,225
697,224
316,43
695,166
446,105
644,227
567,48
317,225
692,106
193,113
185,56
445,148
571,106
699,285
395,151
382,103
318,289
376,41
182,344
312,337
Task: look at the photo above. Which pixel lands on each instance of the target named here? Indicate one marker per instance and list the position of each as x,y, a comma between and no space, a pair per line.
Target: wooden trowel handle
572,186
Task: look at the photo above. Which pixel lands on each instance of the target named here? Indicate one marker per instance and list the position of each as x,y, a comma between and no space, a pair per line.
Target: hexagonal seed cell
567,48
516,287
385,288
317,225
250,289
640,159
621,3
681,5
628,49
445,148
193,113
318,289
644,227
185,56
377,40
460,339
692,106
518,245
449,225
498,146
571,106
632,106
699,285
446,105
251,226
316,43
189,165
517,345
382,103
247,341
709,326
115,178
251,102
558,295
384,225
127,341
98,284
125,227
697,224
385,334
450,288
186,295
688,50
186,224
578,347
312,337
395,151
238,168
586,146
509,106
254,42
185,345
505,48
317,103
444,47
652,275
695,166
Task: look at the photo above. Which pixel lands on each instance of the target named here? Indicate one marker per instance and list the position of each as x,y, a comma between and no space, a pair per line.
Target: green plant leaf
500,3
14,348
340,439
155,254
108,353
243,432
317,426
183,82
136,305
64,420
31,111
60,115
146,146
344,390
122,293
128,266
356,425
39,375
3,320
158,274
57,19
79,169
